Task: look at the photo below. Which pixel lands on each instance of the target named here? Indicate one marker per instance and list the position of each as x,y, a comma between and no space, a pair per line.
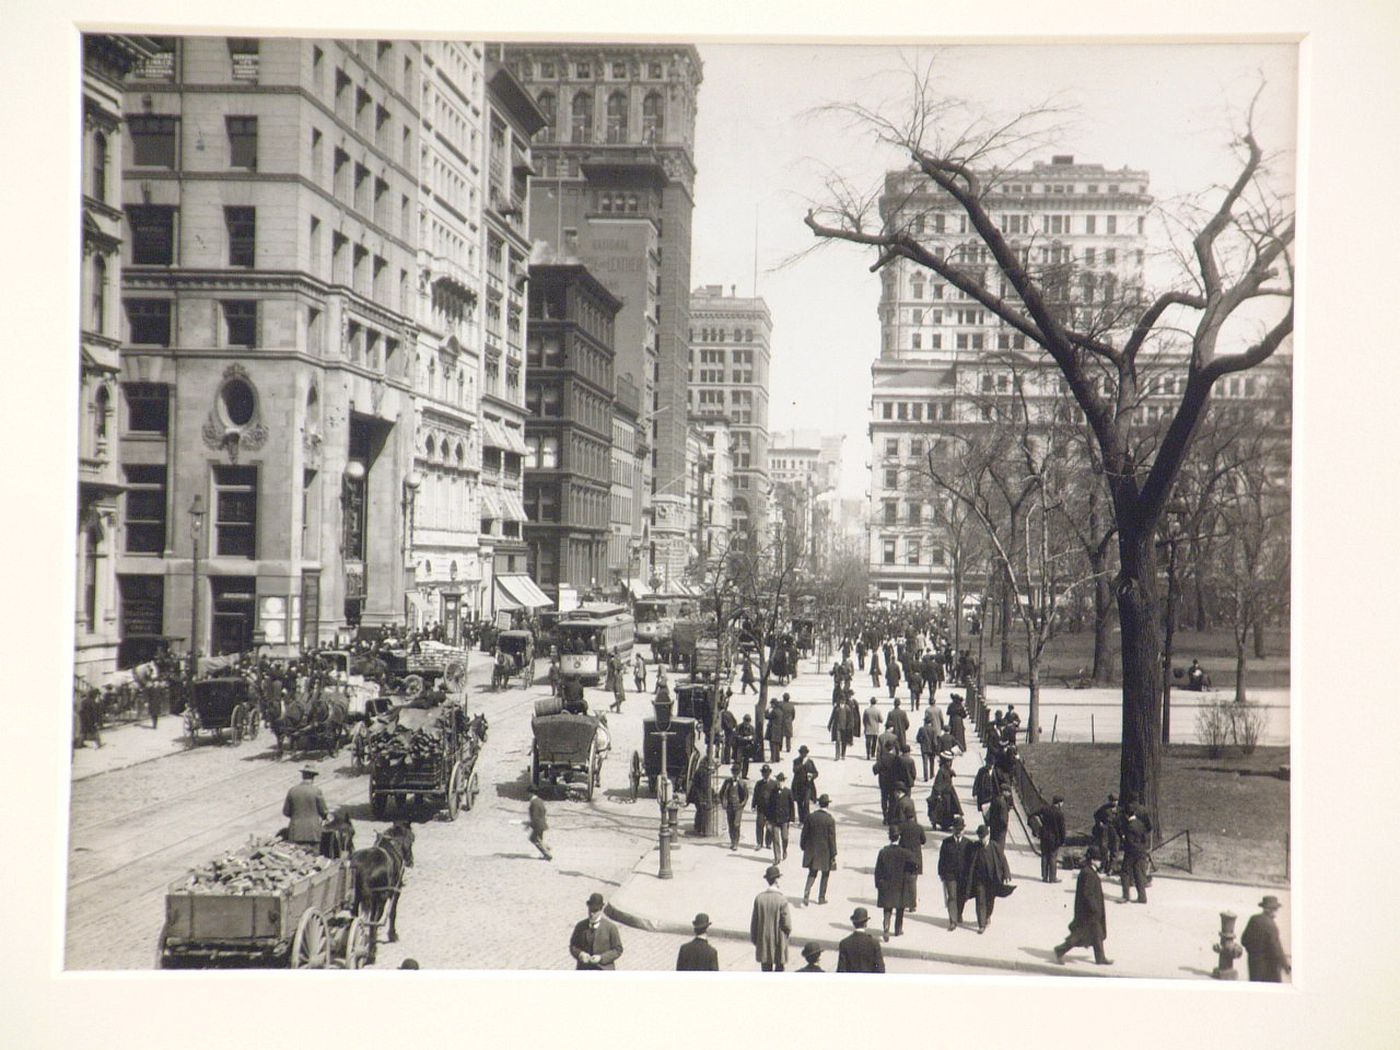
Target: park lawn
1071,652
1235,806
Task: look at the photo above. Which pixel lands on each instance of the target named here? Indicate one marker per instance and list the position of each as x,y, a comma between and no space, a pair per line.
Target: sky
763,150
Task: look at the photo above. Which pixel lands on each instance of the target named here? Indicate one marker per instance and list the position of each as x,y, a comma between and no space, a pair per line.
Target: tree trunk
1202,617
957,606
1033,721
1006,665
1241,667
1139,620
1102,672
1259,652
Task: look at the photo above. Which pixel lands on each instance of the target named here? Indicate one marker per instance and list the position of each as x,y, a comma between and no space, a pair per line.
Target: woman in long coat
943,804
957,711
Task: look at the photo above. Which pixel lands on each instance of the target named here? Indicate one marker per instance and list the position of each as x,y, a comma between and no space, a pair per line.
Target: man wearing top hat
860,952
595,944
698,953
306,808
771,924
818,843
1266,958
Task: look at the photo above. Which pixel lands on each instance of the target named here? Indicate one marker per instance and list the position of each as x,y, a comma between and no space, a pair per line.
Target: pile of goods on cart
425,754
268,866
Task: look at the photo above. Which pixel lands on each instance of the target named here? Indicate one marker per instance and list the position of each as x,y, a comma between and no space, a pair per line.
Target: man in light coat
306,808
771,924
873,721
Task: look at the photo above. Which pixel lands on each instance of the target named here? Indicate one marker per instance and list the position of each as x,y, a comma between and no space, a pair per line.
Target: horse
337,836
378,873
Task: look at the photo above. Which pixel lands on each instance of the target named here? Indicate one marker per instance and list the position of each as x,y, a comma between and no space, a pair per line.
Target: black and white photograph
654,502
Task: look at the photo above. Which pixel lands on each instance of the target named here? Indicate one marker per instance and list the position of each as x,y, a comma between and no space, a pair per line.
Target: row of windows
915,410
1071,187
583,70
617,117
234,519
915,552
723,335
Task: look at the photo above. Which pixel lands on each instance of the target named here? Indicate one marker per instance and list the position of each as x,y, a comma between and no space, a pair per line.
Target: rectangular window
241,322
891,477
1091,223
145,508
887,410
911,550
241,225
147,408
1111,224
916,341
892,448
1110,257
891,509
153,141
243,57
233,612
242,142
142,605
889,555
149,321
904,410
235,511
152,235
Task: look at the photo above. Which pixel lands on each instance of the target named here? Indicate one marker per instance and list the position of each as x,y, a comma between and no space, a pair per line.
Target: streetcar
587,637
656,615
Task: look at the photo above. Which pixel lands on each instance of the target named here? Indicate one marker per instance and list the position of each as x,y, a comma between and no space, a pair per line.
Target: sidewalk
1170,937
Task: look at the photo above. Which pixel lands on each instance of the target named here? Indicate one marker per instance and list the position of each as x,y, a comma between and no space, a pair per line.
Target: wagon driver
306,807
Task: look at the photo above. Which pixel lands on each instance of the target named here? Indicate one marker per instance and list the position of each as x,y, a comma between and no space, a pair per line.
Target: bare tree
1239,239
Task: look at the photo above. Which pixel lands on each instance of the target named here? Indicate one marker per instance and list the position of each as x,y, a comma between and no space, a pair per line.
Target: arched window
99,292
617,117
581,117
430,447
653,117
549,106
461,453
99,167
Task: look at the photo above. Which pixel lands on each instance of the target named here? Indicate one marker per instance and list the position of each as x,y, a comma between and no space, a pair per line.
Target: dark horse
379,873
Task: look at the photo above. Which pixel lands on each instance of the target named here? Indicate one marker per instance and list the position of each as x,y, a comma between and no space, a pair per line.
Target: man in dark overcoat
839,724
698,953
894,883
984,879
733,794
986,785
782,811
1049,823
1265,955
818,843
913,837
951,858
860,952
306,808
789,712
1135,834
1089,927
761,791
804,783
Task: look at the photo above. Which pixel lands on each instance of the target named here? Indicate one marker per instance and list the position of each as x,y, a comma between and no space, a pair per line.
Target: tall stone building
107,60
267,422
568,496
445,563
730,357
512,121
943,356
614,191
629,474
716,485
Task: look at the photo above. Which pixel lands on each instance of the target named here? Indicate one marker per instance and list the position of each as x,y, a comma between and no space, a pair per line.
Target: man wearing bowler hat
1266,957
698,953
818,843
596,943
733,794
782,811
771,924
306,808
812,952
1048,823
761,790
860,952
1089,927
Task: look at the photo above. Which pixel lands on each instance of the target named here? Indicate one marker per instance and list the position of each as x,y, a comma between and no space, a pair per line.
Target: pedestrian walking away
1089,927
818,844
873,720
698,953
860,952
894,883
306,808
538,823
595,944
771,924
812,952
1265,956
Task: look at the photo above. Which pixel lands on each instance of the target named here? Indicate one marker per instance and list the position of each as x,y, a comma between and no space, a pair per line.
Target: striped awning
517,590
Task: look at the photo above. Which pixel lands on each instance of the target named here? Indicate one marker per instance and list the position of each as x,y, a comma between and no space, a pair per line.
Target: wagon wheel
413,686
235,723
357,748
191,726
473,789
591,770
690,771
534,767
454,792
311,947
254,723
163,961
357,943
634,775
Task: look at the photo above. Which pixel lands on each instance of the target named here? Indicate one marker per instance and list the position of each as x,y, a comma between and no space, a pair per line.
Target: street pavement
1169,937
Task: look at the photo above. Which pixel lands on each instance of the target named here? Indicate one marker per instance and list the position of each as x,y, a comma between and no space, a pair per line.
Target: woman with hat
812,952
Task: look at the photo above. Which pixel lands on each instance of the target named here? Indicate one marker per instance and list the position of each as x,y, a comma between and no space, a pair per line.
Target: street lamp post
665,834
411,483
196,527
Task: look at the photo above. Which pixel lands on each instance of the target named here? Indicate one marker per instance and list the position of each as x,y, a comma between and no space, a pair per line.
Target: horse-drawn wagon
269,904
224,707
318,722
425,755
682,754
427,665
568,748
518,650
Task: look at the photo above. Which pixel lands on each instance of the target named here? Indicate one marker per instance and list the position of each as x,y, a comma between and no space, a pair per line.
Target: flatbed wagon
426,755
302,922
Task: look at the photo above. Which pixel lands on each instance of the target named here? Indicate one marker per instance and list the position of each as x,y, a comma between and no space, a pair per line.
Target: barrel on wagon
269,904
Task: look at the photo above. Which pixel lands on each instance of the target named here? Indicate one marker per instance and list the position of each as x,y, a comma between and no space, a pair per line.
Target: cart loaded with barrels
421,754
269,904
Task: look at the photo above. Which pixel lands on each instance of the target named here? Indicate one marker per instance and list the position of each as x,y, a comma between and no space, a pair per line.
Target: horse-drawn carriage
224,707
268,904
568,748
698,700
682,754
426,755
518,650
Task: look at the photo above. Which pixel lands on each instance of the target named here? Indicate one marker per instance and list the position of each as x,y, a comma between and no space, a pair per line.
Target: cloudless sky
762,152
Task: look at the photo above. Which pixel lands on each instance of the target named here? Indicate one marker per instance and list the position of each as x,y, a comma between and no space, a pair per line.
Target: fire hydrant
1226,948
